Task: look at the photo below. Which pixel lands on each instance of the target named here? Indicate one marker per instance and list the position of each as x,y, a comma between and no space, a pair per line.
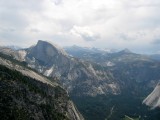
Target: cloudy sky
118,24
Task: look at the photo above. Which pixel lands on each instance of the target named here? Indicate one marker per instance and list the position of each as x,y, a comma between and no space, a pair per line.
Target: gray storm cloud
106,23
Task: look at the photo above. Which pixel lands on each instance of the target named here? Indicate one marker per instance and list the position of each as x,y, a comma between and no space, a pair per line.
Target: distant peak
59,49
42,41
126,50
75,46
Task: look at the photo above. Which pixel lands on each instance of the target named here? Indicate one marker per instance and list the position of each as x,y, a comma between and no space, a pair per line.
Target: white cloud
104,23
85,33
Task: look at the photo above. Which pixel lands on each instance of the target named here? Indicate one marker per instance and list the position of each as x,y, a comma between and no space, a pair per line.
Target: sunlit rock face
153,99
75,75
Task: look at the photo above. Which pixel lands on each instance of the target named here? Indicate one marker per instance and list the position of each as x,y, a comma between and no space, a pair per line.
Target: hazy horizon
16,47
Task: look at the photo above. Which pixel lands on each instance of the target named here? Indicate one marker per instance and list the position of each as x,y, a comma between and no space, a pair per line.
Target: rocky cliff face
47,59
111,82
27,95
77,76
114,71
153,99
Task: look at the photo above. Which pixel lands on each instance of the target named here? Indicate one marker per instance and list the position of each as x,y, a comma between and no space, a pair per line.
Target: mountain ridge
98,77
30,91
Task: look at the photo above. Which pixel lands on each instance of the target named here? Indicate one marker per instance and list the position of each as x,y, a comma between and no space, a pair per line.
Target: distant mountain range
14,47
108,83
77,76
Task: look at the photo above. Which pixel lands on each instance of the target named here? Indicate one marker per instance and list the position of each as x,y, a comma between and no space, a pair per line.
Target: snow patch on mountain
91,69
49,71
109,64
22,54
100,90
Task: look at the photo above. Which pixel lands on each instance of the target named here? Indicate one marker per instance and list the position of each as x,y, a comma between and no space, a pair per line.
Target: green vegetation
114,107
24,98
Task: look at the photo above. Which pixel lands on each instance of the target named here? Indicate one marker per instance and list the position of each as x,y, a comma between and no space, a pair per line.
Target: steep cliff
153,99
27,95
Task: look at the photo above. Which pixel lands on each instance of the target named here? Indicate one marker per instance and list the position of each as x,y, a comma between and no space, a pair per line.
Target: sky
113,24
